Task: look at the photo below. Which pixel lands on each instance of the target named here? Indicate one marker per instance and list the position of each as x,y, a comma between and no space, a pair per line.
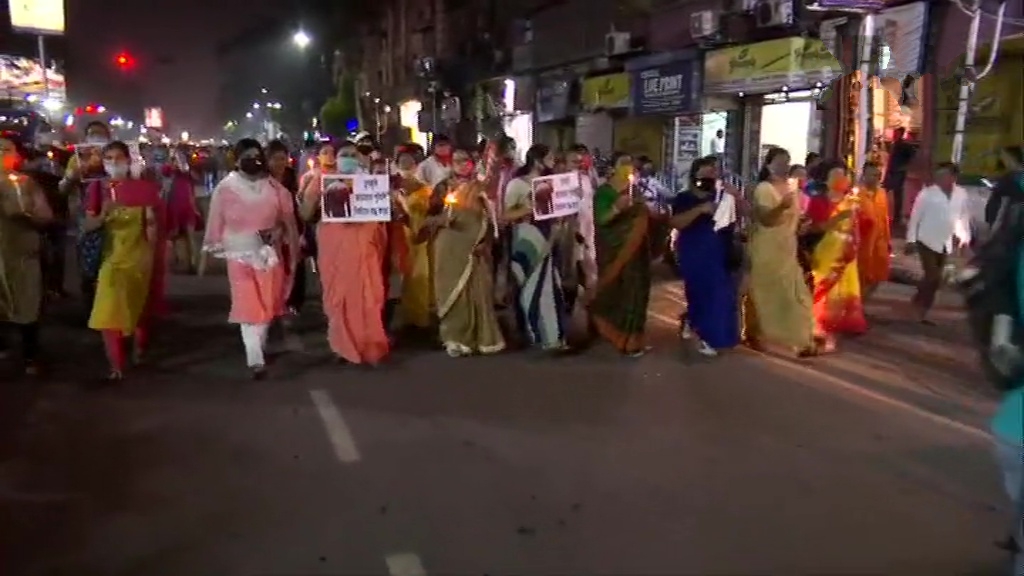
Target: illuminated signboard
38,16
154,118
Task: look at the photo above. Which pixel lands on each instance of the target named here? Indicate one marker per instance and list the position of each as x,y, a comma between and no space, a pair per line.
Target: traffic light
124,61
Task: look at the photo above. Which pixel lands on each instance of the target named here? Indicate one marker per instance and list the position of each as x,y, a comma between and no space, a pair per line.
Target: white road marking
838,382
337,431
404,564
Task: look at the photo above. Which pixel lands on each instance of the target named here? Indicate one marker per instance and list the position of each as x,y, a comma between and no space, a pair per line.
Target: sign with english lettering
668,89
355,198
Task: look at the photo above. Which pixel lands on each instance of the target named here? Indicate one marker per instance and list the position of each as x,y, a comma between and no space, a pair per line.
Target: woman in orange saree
874,249
350,257
838,307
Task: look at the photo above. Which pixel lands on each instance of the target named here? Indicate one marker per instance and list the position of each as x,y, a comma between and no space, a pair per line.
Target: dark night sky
174,43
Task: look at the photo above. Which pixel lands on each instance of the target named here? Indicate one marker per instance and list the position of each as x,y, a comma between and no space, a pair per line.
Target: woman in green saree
463,280
618,303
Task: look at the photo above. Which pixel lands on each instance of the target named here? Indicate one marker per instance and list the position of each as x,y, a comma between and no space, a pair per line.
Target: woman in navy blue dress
705,262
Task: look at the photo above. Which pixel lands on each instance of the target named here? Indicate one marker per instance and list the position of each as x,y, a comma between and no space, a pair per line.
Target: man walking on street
940,214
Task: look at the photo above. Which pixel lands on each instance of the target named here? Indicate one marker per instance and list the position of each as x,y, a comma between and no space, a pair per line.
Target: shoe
258,372
704,349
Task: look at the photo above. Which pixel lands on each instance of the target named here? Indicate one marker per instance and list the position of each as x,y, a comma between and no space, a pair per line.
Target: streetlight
301,39
248,115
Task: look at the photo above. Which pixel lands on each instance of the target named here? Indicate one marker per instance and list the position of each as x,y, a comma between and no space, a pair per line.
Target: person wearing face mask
252,226
82,169
777,289
618,302
279,166
182,213
24,214
874,234
350,257
462,225
417,286
579,160
704,262
838,308
129,224
534,260
437,168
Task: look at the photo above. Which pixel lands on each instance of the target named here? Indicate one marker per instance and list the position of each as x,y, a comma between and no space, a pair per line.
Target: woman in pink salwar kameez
252,226
182,215
350,259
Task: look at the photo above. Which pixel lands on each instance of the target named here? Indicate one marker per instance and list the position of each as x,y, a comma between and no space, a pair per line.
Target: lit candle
632,180
309,163
450,200
17,190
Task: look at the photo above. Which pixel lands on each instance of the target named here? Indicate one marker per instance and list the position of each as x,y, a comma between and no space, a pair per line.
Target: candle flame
309,163
632,178
12,177
450,199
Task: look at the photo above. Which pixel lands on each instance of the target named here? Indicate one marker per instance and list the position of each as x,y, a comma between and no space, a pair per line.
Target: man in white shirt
717,144
438,166
940,214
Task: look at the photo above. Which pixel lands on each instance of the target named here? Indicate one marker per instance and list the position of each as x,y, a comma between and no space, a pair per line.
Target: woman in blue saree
534,255
704,261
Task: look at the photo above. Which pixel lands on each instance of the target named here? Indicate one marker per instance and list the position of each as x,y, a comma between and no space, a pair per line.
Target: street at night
873,461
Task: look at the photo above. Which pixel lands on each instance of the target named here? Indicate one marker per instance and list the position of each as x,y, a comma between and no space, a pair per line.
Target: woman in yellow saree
463,276
837,298
417,285
777,288
618,303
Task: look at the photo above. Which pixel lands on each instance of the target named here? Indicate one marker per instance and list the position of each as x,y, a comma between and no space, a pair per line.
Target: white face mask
116,170
94,139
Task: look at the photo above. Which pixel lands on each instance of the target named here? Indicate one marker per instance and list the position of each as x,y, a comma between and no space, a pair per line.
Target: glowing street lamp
248,115
301,39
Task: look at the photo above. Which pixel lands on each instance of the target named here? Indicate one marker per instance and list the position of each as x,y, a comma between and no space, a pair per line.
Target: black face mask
251,166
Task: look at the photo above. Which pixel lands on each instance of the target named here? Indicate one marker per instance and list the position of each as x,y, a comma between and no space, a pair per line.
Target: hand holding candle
450,200
18,191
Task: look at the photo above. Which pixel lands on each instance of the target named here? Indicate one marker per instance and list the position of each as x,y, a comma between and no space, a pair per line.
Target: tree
340,108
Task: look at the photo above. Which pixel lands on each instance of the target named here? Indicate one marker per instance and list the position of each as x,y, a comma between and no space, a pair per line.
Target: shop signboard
685,146
610,91
43,17
796,63
668,89
552,100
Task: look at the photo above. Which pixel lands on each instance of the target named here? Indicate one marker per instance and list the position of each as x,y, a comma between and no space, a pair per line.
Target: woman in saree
534,258
703,259
874,248
417,286
464,226
182,213
837,302
130,236
24,213
252,226
777,288
350,258
618,301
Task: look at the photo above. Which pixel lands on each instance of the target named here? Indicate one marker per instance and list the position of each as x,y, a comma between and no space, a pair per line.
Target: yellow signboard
608,91
796,63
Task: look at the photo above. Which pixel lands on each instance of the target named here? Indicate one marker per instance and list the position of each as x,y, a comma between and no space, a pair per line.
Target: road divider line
337,431
404,564
838,382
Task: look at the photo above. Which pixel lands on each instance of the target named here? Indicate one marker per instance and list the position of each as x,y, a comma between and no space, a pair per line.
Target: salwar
254,338
113,344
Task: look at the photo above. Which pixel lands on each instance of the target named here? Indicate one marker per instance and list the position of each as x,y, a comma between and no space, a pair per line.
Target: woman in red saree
838,307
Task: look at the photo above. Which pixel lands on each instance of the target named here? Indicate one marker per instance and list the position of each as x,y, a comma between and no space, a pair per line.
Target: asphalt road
872,461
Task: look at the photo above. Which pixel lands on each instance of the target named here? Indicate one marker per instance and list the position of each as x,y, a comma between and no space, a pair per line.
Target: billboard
38,16
22,78
154,118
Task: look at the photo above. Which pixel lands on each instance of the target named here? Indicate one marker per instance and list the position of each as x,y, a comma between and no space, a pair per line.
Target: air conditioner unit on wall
616,43
771,13
703,24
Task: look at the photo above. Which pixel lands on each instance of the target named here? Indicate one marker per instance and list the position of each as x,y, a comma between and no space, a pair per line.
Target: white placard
355,198
556,196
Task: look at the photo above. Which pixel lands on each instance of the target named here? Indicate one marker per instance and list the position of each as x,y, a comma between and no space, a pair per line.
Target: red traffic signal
124,60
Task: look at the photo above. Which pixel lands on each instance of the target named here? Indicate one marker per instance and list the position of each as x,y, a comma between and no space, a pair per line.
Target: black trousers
29,334
932,265
297,297
54,258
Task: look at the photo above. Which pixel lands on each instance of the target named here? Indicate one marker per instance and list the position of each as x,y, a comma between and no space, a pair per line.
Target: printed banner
556,196
355,198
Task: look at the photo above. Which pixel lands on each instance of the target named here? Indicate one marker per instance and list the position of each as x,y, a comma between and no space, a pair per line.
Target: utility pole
970,75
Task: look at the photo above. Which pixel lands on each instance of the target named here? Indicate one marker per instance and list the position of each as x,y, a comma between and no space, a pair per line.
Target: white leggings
254,337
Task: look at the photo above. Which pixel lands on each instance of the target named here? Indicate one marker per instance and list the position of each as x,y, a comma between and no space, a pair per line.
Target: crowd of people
465,259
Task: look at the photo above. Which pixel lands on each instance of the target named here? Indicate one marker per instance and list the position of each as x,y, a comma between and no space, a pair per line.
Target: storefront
778,82
664,88
552,112
603,100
